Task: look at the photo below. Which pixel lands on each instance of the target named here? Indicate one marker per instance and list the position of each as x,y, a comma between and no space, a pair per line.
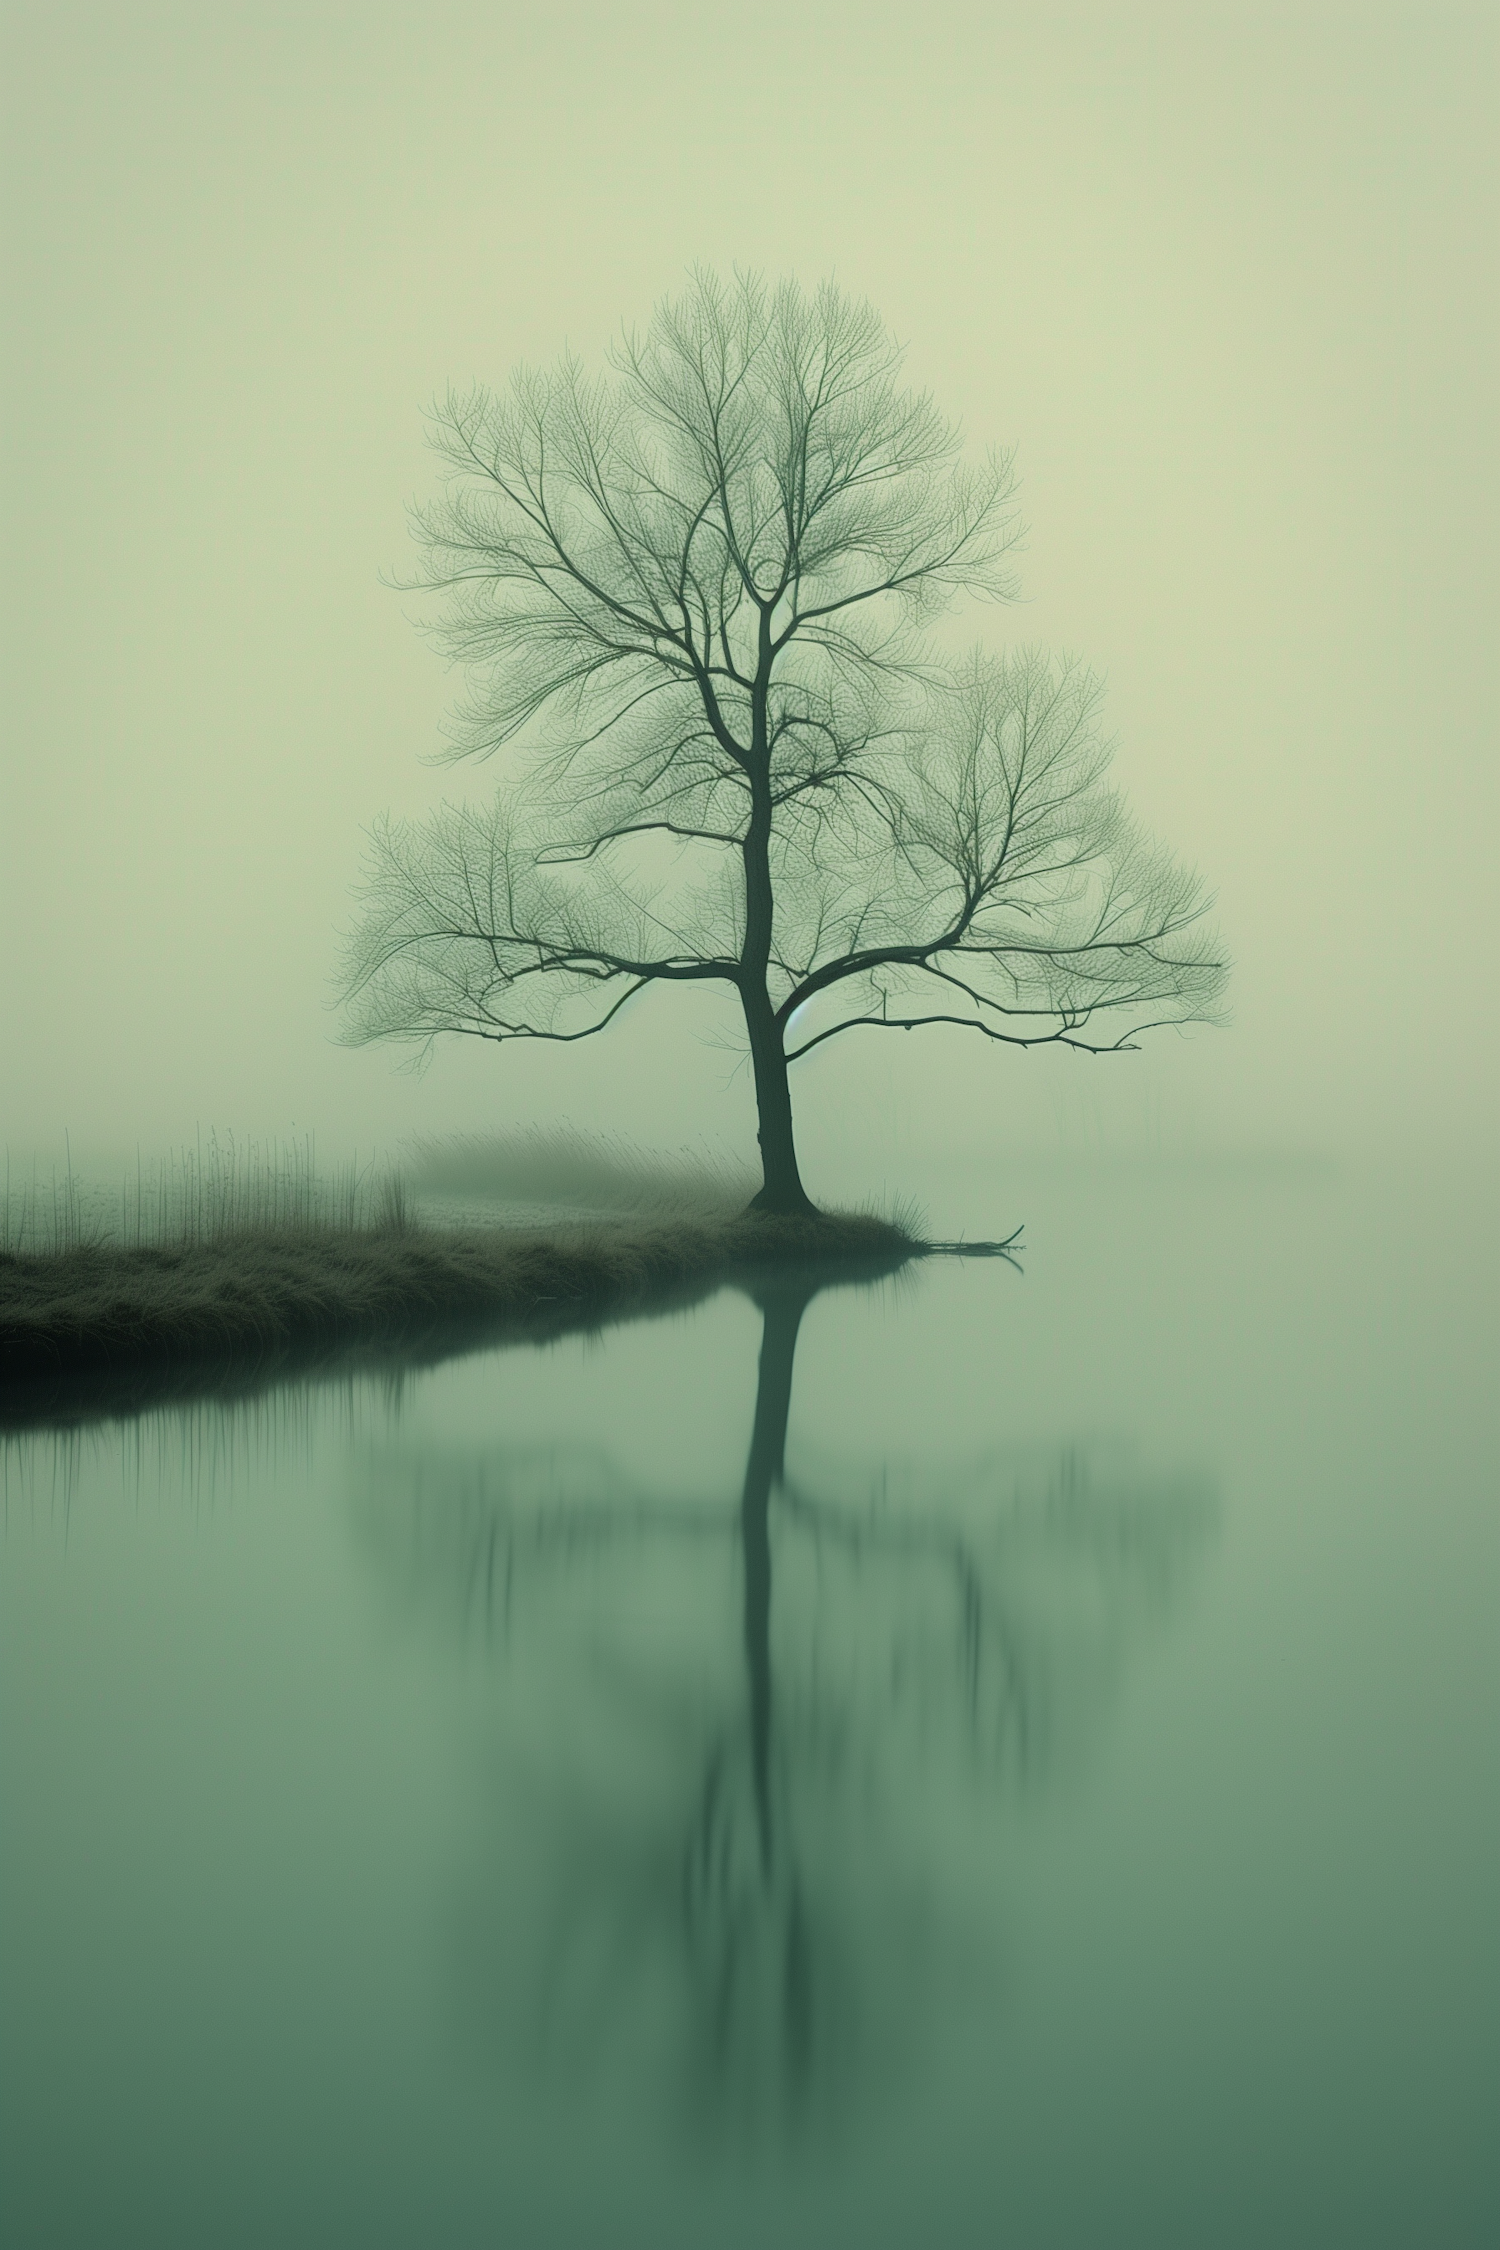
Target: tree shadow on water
731,1859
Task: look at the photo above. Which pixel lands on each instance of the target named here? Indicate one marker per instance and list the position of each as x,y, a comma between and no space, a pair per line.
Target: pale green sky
1224,276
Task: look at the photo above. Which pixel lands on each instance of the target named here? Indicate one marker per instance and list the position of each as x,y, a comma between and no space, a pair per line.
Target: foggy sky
1223,276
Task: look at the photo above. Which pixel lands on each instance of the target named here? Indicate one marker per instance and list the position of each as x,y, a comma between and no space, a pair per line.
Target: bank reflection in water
742,1745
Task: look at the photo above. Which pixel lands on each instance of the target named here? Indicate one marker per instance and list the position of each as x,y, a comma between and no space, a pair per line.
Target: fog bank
1223,277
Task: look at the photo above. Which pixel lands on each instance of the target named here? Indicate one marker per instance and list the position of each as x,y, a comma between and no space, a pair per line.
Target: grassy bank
266,1296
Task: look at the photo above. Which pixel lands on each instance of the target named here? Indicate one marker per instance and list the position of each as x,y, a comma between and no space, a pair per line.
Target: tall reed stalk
218,1188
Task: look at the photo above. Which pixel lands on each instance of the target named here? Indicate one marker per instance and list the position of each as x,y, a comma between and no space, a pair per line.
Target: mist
1218,276
563,1680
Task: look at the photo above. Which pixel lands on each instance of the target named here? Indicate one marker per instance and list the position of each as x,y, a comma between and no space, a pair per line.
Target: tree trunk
782,1188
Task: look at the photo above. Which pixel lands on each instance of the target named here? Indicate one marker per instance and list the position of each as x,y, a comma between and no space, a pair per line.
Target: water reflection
741,1742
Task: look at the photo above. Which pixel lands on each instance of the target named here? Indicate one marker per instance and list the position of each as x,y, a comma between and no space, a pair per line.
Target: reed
223,1186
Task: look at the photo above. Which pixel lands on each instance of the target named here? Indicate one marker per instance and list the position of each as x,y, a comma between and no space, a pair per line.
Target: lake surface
979,1759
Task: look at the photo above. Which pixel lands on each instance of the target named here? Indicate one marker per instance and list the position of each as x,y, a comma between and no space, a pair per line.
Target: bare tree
692,595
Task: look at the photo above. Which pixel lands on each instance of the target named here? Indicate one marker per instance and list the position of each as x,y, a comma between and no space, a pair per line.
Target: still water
983,1758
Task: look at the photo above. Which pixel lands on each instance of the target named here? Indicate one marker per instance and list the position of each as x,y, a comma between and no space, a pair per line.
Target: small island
268,1297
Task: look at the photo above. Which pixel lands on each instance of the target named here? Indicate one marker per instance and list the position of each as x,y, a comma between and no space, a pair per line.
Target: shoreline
85,1327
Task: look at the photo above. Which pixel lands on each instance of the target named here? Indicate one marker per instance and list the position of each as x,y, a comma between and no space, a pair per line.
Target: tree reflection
727,1873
